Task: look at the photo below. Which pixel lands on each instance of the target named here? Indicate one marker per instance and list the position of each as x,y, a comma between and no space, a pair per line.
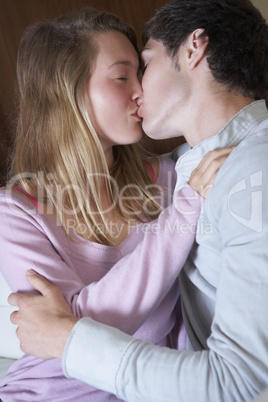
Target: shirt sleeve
134,371
148,273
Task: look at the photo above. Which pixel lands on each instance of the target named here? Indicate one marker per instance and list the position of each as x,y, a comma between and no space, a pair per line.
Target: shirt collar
230,135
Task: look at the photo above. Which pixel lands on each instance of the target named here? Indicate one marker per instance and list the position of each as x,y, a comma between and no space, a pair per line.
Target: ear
196,48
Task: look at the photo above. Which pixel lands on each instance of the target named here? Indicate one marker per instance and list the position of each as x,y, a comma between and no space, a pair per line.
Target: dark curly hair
237,52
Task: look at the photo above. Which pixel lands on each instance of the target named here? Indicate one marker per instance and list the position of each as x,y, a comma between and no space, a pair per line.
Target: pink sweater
137,293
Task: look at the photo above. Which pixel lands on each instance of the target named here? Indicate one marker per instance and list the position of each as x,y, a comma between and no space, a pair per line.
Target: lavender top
126,296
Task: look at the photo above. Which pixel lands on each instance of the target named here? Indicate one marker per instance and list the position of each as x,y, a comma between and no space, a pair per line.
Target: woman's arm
147,273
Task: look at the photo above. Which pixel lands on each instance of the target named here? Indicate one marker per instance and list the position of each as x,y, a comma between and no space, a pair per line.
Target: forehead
154,48
156,54
114,47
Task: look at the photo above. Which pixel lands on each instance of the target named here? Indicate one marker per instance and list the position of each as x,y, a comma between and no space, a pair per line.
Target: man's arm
91,352
104,356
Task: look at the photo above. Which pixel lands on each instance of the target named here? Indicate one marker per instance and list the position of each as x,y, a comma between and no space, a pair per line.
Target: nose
137,94
138,101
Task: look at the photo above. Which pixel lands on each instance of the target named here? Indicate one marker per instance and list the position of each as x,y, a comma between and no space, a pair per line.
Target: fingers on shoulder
218,153
215,159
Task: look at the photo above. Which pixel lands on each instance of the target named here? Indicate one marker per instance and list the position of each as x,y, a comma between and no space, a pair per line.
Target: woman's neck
109,154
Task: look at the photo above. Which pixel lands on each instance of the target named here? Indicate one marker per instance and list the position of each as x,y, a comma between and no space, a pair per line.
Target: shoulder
153,166
248,158
164,169
167,175
240,193
23,223
16,206
9,196
161,164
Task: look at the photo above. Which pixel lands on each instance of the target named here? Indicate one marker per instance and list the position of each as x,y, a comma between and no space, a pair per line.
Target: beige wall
262,5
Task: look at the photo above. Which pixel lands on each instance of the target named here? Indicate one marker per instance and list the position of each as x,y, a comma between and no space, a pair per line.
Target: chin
150,131
136,140
152,134
133,140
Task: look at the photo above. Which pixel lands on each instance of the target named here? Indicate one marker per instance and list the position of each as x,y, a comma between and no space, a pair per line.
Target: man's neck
213,114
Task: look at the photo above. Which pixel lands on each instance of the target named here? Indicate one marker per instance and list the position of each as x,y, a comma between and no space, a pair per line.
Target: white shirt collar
230,135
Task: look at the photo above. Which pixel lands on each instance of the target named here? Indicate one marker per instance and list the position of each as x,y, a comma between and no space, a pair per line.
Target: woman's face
113,90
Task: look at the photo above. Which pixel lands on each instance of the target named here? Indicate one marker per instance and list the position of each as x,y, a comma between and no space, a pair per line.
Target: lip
137,115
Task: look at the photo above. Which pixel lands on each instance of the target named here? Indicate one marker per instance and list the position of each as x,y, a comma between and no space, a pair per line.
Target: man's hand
44,321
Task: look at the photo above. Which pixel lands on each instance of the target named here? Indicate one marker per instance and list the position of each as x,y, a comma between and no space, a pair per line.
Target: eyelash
122,78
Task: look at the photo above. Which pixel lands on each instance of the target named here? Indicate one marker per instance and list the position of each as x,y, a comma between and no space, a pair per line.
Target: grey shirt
224,288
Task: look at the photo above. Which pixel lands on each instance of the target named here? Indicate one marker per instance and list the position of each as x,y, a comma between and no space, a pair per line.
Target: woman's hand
203,177
44,321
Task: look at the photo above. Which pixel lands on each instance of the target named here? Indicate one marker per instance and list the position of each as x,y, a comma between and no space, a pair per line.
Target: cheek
154,89
99,112
147,85
160,109
103,102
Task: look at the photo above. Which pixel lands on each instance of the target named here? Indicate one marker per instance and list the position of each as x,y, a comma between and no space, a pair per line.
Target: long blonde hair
57,149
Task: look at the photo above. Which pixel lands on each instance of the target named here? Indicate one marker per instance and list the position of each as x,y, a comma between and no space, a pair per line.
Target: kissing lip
136,114
139,113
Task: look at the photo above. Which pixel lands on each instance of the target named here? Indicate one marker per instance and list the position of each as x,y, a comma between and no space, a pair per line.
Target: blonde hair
56,141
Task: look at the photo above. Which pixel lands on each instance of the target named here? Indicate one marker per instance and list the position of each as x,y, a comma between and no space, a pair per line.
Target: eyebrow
121,63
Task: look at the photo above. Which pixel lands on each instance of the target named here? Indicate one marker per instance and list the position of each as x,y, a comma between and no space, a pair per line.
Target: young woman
81,197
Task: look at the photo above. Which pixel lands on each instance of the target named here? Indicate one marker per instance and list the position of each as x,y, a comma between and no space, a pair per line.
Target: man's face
167,92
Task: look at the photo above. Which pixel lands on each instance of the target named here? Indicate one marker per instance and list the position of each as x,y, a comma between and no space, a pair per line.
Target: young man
206,78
